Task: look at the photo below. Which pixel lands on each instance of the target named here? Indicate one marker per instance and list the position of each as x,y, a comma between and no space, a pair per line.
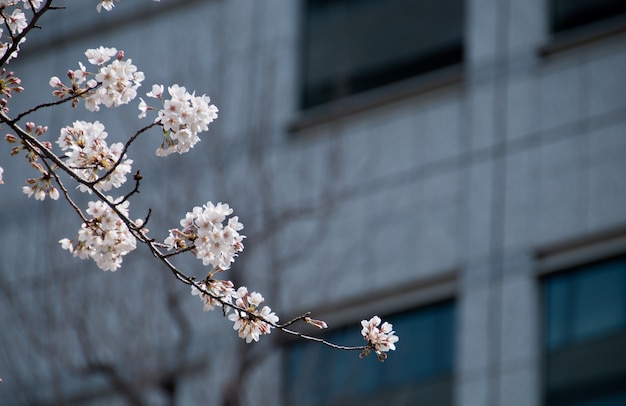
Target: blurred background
457,167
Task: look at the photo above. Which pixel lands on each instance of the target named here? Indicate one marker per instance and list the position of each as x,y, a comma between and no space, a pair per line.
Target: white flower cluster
213,242
87,153
40,187
108,5
16,21
381,340
115,83
217,244
250,324
106,167
182,117
104,238
214,293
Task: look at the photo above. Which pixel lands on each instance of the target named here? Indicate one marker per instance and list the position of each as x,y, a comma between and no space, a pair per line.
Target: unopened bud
53,193
55,82
317,323
381,356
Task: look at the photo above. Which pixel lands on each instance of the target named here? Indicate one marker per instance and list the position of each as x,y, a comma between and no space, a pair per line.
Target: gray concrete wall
470,179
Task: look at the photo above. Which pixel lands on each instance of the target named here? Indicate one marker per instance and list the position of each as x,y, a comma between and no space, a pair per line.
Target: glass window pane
355,45
585,335
557,306
585,303
599,302
567,14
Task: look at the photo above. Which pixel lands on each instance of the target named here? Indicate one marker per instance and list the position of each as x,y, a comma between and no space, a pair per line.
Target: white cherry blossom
220,292
252,323
100,55
16,21
40,187
105,238
89,155
380,339
215,243
183,116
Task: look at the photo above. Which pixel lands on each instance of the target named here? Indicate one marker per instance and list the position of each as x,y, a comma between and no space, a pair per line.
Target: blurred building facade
457,167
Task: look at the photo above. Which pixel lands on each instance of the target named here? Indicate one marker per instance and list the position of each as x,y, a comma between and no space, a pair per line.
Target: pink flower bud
317,323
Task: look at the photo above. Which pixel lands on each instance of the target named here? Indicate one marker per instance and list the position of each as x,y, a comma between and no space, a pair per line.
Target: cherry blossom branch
17,39
325,342
251,322
107,232
72,96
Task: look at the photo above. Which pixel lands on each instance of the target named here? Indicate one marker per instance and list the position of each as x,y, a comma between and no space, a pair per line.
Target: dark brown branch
327,343
123,153
295,319
137,178
47,6
51,104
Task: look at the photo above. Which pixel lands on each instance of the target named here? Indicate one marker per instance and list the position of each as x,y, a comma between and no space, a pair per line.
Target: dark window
418,372
568,14
585,335
350,46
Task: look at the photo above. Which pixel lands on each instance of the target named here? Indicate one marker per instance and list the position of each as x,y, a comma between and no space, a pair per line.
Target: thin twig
54,103
123,153
325,342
